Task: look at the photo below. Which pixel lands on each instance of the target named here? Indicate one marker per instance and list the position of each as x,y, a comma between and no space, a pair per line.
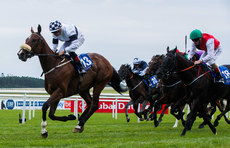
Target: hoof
156,123
142,119
201,126
78,129
216,123
128,120
45,135
160,120
71,117
148,119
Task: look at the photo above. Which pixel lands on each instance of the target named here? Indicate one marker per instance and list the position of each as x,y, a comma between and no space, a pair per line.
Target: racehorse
62,80
172,90
139,92
199,83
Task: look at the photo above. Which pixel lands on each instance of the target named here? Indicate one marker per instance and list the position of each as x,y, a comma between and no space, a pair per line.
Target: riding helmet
55,26
136,61
195,34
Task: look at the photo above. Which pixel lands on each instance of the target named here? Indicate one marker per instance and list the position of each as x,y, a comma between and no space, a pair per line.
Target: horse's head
154,64
168,65
32,45
125,71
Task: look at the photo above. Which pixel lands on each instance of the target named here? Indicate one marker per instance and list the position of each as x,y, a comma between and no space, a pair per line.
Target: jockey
72,38
139,67
210,46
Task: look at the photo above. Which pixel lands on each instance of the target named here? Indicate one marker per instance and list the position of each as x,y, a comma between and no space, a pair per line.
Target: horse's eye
34,40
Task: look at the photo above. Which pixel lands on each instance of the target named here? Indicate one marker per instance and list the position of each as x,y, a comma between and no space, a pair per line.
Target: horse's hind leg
227,108
92,107
88,100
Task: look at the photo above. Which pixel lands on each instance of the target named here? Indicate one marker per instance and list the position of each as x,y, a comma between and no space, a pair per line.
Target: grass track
102,130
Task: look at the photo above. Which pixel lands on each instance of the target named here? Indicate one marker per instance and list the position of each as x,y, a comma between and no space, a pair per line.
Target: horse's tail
115,83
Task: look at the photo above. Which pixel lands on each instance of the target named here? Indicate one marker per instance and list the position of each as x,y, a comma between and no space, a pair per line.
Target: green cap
195,34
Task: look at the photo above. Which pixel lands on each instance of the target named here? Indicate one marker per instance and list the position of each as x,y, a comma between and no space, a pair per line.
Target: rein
55,55
188,68
199,76
52,69
136,86
172,84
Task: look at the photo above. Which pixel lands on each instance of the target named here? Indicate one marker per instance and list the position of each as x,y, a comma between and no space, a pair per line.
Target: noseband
31,50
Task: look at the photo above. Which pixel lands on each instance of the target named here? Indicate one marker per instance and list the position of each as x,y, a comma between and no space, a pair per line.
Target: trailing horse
200,88
172,89
62,80
139,92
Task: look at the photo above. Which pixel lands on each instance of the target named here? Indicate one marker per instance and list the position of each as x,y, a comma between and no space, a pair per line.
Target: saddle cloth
86,61
225,74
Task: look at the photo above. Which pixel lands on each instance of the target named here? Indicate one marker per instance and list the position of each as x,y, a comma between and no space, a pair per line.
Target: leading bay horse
62,80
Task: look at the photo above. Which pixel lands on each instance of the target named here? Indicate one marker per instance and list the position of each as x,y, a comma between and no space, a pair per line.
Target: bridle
186,69
32,50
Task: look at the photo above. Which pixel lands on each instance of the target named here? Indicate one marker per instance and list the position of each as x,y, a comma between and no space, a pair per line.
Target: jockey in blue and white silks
72,38
139,67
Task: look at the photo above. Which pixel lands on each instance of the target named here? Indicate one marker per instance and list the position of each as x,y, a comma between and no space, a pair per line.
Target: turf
102,130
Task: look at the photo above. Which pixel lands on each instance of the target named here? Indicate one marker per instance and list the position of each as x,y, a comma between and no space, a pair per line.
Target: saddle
225,74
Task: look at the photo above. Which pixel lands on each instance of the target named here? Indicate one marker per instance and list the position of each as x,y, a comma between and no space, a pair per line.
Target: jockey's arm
210,51
192,51
72,47
54,44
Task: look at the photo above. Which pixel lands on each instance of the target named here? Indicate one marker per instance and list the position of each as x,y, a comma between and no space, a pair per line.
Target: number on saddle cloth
153,81
225,74
86,61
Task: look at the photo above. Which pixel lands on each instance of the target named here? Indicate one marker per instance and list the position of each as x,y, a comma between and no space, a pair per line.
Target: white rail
28,95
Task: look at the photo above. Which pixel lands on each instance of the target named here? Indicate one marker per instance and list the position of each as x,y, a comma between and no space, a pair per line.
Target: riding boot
218,78
77,62
81,69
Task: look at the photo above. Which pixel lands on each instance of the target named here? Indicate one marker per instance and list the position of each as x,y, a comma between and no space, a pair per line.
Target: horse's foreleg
144,111
44,132
126,109
154,114
53,108
207,120
191,117
135,106
163,112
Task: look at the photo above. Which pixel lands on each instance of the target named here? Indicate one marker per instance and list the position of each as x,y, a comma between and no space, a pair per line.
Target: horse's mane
183,55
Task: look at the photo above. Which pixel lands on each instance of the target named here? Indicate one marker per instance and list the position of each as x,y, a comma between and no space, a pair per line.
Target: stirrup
82,71
220,80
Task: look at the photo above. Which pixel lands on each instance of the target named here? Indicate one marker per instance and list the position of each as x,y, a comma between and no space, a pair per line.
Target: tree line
21,82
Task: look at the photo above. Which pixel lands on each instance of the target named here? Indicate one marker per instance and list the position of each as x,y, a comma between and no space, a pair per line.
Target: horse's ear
32,31
39,28
168,49
176,47
174,50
